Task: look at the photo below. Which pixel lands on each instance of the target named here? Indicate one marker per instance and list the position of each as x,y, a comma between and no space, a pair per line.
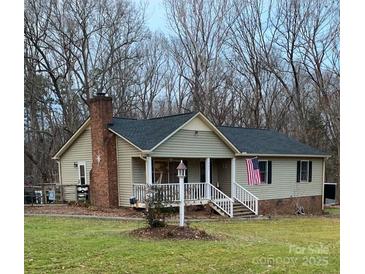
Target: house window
165,172
173,179
160,171
304,171
263,166
82,173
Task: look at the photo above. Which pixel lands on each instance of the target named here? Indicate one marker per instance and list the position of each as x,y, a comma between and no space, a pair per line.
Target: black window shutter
298,171
310,171
269,169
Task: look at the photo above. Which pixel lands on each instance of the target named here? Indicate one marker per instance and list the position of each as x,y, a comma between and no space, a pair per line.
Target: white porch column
207,177
233,176
149,170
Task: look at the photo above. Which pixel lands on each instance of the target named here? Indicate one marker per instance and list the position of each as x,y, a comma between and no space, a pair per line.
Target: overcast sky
155,15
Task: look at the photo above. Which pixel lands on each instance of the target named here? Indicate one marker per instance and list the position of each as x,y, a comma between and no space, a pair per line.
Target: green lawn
333,211
303,244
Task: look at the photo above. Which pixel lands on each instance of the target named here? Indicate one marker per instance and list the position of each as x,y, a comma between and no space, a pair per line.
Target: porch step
240,211
217,209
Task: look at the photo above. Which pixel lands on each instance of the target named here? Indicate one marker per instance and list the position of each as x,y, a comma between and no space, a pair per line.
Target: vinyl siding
139,171
80,150
224,175
125,152
284,183
186,144
193,170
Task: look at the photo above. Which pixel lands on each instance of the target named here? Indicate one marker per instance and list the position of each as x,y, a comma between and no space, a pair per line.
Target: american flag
253,171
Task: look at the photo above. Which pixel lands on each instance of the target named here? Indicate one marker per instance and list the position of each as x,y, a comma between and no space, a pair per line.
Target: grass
333,211
70,245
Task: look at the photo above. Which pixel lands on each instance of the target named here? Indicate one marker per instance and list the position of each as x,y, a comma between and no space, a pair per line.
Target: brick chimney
103,183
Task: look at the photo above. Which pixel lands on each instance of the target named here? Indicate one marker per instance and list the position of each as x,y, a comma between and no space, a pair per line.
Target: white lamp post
181,172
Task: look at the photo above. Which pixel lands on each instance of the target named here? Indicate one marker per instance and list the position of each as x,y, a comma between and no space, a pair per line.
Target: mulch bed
172,232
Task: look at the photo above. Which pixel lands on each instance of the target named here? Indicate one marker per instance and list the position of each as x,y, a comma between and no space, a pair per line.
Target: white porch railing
195,191
245,197
192,192
171,192
221,200
139,191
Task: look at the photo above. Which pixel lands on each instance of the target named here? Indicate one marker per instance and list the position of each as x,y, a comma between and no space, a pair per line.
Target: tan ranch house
119,157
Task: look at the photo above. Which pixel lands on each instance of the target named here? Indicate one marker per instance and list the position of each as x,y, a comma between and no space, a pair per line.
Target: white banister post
207,177
233,177
149,170
256,207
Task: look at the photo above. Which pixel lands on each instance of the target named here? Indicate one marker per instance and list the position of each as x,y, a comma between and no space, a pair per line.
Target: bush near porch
70,245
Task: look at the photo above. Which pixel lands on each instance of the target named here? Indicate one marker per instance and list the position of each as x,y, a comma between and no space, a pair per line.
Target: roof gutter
283,155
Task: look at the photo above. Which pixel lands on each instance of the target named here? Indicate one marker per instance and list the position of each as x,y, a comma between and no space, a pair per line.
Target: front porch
208,181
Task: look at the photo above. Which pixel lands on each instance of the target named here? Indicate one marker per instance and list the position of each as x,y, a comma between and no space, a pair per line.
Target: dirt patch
64,209
192,212
172,232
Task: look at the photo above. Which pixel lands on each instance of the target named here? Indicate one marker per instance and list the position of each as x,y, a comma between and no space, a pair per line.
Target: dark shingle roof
148,133
266,141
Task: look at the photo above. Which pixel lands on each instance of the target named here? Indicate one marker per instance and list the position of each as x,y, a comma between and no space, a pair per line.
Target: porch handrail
246,198
221,200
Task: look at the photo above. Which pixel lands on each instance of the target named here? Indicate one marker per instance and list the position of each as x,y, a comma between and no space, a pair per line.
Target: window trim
82,163
266,182
300,172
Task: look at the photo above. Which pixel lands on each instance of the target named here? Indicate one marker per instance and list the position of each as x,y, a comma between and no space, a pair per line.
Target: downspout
148,164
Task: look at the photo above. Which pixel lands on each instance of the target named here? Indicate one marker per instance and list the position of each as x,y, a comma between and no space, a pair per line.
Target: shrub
156,212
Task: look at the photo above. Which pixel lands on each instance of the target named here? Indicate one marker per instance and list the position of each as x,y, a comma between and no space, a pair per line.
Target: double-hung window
82,172
304,171
265,171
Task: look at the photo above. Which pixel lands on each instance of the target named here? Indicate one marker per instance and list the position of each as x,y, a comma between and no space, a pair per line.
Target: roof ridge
155,118
125,118
248,128
173,115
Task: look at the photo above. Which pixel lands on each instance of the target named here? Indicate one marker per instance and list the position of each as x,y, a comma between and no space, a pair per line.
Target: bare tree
264,63
72,50
150,74
201,29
